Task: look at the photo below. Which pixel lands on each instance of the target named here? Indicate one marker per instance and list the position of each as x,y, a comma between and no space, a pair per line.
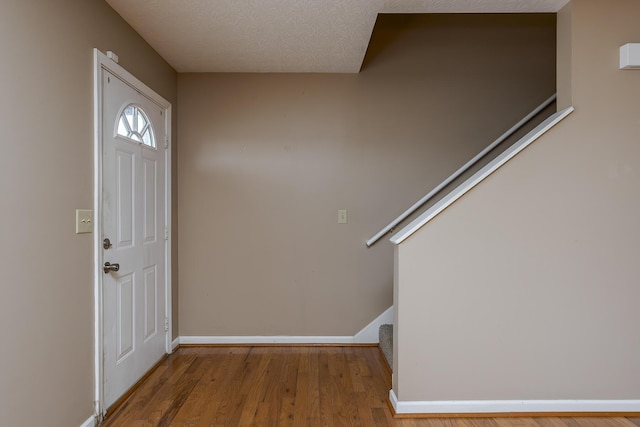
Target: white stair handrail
460,171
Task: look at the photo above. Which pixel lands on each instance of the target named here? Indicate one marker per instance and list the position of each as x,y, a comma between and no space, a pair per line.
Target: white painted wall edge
90,422
283,339
369,334
479,176
510,406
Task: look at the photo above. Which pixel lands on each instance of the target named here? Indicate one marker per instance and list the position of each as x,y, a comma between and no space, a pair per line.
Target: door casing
101,61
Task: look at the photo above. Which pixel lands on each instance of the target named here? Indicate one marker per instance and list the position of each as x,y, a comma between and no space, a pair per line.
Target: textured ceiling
321,36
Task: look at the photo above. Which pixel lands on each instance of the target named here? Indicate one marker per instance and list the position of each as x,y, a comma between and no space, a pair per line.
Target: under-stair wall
522,295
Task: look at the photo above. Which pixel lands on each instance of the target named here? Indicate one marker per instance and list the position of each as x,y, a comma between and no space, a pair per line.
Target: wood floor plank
598,422
300,389
326,396
313,390
288,386
287,393
269,408
467,422
219,383
363,408
517,422
550,422
191,411
256,391
145,405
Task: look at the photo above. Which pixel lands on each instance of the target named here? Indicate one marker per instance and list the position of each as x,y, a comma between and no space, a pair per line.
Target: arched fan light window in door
136,126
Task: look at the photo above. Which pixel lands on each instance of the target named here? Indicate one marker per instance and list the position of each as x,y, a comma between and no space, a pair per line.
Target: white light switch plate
84,221
342,216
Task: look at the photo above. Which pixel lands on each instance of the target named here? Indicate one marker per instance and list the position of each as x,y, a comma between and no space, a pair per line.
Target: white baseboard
201,340
90,422
175,343
369,334
511,406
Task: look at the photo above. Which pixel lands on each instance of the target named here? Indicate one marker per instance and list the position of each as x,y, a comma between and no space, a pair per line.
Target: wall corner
564,54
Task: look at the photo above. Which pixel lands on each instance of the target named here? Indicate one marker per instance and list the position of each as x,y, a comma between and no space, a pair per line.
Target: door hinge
166,141
166,233
166,324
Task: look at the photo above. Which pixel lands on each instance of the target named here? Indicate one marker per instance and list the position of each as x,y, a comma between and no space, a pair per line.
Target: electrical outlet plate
84,221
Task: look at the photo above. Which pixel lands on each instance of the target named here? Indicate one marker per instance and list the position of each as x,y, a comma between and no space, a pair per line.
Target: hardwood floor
287,386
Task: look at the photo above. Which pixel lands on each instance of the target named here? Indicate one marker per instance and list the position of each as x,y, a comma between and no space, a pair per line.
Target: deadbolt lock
106,243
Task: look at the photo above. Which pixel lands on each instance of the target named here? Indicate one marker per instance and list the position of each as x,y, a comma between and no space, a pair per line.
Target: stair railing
460,171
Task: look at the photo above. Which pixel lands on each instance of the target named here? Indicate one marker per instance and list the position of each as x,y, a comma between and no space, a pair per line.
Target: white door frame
102,62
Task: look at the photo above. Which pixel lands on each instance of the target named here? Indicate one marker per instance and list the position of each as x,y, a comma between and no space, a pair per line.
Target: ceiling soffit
312,36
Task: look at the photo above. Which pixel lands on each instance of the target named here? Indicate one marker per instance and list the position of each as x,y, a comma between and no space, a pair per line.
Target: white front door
133,220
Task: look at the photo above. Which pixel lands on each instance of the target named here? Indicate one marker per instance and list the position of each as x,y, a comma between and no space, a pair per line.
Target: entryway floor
287,386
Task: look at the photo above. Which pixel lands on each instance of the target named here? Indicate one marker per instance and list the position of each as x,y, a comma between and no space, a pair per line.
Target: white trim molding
511,406
479,176
276,339
102,62
369,334
175,343
90,422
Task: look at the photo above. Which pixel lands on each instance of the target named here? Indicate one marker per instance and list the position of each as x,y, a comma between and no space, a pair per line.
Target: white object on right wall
630,56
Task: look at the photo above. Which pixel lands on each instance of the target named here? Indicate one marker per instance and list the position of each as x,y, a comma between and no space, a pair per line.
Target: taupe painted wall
46,172
527,287
266,161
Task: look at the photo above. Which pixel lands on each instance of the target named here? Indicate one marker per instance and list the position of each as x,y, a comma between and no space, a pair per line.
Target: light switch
84,221
342,216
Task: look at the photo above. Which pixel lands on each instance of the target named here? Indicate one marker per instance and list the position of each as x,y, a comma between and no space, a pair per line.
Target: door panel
150,302
125,316
125,192
133,218
150,209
